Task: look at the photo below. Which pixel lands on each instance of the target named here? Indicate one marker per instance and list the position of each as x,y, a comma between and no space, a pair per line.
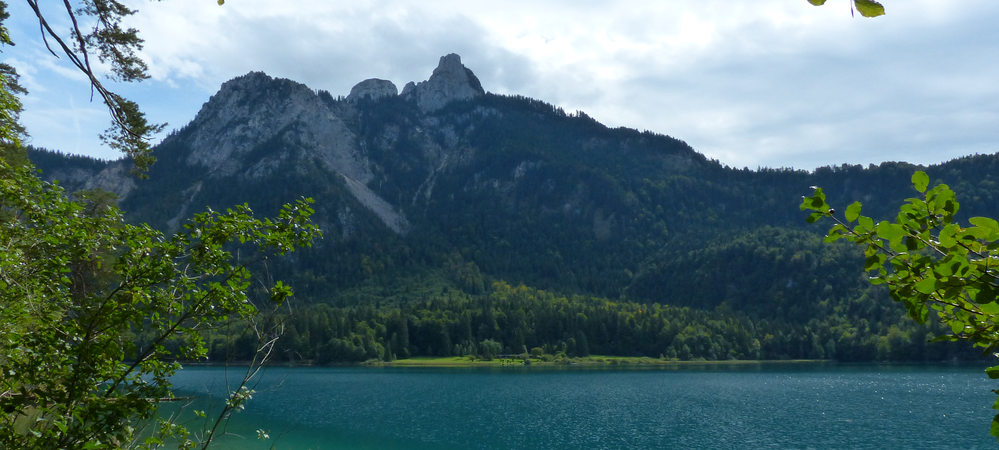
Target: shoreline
584,361
593,361
469,361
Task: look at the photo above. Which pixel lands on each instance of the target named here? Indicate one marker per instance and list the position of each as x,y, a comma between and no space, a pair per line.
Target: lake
690,406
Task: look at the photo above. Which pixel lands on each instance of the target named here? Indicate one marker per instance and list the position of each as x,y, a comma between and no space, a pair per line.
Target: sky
766,83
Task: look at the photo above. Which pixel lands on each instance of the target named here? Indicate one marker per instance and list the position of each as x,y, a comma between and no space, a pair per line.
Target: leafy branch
929,261
116,46
81,291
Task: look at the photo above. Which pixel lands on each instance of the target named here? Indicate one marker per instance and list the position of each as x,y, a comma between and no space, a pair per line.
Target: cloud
764,83
65,127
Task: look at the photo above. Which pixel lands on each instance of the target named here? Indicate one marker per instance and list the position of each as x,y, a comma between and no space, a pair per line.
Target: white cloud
763,83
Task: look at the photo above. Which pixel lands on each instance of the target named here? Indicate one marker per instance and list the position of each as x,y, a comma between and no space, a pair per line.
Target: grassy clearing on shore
546,361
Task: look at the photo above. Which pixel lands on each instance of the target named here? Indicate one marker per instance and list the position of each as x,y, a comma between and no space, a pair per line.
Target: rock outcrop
257,127
246,111
451,81
373,89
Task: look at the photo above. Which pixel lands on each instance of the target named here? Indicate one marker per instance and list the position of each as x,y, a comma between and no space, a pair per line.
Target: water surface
707,406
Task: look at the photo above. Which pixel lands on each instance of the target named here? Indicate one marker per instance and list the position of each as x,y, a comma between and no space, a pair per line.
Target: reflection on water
709,406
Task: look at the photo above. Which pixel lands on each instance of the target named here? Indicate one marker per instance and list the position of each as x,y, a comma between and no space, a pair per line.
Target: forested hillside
450,222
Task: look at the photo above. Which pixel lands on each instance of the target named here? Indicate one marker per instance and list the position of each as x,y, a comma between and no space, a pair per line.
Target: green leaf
920,180
978,233
817,2
918,312
986,223
991,308
947,236
853,211
836,233
872,262
927,285
866,223
992,372
943,338
956,326
280,292
994,430
817,202
813,217
892,232
869,8
942,200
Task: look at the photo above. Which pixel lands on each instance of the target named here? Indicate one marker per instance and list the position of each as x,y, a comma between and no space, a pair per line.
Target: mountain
444,180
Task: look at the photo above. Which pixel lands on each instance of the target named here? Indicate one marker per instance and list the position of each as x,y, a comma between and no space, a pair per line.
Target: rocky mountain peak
248,80
372,88
257,126
450,81
245,110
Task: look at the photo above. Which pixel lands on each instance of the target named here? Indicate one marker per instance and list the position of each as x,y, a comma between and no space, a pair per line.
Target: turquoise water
738,406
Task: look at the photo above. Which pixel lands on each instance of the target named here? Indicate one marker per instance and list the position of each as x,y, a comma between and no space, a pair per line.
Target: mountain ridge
516,187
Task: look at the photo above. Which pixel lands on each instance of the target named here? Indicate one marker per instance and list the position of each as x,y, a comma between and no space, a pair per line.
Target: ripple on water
769,406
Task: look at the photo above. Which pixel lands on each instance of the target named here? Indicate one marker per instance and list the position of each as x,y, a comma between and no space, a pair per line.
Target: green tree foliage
97,311
11,130
76,286
449,322
931,263
107,39
867,8
489,349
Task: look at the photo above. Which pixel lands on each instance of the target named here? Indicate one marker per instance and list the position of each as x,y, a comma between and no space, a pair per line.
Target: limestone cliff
372,89
449,82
